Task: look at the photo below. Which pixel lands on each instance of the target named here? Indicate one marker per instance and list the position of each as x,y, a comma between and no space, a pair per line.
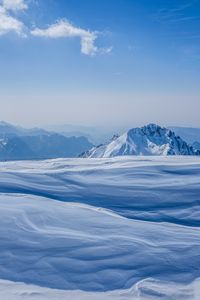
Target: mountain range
98,135
17,143
147,140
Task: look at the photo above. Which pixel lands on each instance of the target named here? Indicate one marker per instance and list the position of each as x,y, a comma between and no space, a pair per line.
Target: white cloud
9,23
14,4
64,28
106,50
60,29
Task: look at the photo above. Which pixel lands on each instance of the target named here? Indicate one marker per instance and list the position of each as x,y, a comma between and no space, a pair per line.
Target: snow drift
119,228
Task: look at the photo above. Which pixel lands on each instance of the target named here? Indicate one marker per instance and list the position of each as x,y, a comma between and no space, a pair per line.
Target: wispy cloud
14,5
176,14
9,23
65,29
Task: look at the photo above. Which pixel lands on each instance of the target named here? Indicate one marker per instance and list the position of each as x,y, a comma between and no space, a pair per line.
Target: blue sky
100,62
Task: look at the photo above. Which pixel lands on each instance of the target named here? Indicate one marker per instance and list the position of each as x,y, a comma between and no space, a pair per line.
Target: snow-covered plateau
109,228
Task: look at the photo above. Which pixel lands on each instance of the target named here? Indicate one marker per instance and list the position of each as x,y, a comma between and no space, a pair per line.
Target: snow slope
148,140
120,228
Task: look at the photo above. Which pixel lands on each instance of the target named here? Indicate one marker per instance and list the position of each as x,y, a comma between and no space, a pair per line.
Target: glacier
110,228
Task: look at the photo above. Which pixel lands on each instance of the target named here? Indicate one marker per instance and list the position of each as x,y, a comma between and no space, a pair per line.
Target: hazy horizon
59,127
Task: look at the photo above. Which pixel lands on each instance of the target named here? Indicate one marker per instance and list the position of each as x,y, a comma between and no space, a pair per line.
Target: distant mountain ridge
8,130
17,143
189,134
196,146
151,139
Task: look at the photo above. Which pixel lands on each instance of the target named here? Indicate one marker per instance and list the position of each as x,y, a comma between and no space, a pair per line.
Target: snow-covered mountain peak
151,139
150,130
115,136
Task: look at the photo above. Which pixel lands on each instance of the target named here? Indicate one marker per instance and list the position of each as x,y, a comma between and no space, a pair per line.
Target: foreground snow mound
148,140
100,228
148,289
73,246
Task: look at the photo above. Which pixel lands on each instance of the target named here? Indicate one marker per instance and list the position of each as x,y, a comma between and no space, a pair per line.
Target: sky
100,62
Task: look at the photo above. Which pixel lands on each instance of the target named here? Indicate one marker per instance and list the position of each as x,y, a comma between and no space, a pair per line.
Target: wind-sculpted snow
152,189
147,289
73,246
121,228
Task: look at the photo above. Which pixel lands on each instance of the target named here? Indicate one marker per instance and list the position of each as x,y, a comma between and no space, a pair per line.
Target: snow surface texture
125,228
148,289
148,140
